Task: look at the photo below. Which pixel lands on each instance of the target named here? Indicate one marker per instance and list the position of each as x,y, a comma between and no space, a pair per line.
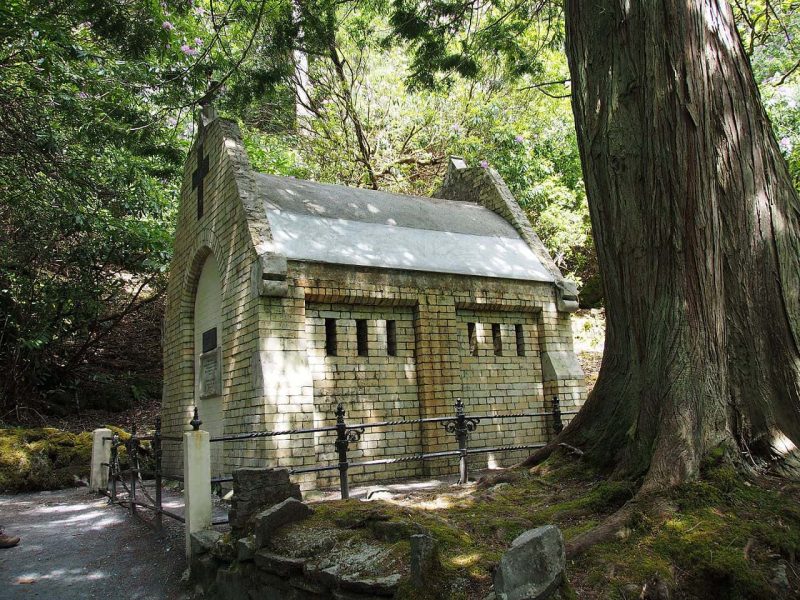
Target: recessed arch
206,257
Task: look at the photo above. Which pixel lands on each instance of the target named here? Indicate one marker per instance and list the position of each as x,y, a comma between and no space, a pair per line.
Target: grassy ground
726,537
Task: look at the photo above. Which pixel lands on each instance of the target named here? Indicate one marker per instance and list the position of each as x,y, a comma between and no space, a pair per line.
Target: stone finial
456,163
269,275
207,114
566,296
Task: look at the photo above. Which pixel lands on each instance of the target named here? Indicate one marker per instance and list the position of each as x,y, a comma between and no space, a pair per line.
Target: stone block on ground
423,558
203,570
283,566
233,583
373,586
255,489
204,541
533,568
272,519
245,548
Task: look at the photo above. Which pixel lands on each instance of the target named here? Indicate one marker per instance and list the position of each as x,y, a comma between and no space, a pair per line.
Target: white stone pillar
196,483
101,456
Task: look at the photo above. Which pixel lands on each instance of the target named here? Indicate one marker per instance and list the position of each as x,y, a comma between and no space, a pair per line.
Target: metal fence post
341,448
157,453
132,464
461,426
558,425
113,463
461,437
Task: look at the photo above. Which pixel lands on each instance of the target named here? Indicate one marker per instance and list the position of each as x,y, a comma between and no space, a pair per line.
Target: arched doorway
208,344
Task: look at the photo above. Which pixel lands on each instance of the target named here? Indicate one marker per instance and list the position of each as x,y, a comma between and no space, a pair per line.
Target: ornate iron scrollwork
354,434
461,424
470,425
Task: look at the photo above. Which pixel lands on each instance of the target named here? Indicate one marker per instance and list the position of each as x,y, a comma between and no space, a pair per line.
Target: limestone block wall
363,357
502,373
431,311
274,374
283,388
563,375
222,232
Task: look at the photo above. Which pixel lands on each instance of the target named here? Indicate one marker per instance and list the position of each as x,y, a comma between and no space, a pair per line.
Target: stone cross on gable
198,176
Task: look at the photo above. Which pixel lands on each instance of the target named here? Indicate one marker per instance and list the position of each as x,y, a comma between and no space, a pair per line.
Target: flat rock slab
533,567
204,541
255,489
283,566
77,547
272,519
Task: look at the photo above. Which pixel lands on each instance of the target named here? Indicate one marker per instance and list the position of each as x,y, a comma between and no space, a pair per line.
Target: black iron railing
460,425
130,478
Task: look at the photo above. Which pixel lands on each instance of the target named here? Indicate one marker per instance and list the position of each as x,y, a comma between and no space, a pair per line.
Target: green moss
709,546
723,539
42,458
609,495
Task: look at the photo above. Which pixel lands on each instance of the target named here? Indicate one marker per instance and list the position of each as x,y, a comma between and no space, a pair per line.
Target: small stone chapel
287,297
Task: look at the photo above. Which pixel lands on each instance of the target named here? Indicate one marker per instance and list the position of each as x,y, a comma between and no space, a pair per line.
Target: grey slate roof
327,223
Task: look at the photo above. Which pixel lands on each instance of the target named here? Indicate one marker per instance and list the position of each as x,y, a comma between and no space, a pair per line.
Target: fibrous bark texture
697,227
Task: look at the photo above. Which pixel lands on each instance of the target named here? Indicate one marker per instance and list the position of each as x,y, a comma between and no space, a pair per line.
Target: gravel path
75,546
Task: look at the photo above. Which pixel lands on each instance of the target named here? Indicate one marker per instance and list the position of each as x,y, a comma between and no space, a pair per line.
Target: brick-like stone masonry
278,375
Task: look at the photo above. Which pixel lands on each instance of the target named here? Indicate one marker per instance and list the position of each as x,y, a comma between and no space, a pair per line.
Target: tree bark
697,228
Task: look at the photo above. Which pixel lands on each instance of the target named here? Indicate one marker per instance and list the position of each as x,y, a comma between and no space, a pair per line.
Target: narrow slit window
497,339
330,337
391,338
472,336
520,339
361,337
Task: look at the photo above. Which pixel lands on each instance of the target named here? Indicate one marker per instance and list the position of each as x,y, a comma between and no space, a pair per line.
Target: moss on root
726,539
725,536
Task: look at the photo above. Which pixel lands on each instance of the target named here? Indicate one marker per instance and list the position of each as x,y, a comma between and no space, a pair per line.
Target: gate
127,486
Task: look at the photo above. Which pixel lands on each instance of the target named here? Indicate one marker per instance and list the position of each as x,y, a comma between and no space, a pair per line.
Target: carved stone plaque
210,374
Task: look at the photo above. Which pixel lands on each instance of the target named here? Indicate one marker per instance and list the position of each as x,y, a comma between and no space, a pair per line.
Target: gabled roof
335,224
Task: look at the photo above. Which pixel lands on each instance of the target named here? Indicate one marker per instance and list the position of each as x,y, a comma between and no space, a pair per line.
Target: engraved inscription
210,375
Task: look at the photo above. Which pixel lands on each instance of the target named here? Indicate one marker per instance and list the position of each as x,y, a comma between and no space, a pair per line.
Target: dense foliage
87,177
96,111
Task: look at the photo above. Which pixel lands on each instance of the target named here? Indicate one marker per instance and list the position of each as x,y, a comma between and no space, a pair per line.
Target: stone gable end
303,328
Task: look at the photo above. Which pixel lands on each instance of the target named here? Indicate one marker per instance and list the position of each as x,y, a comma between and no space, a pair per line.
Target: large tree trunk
697,228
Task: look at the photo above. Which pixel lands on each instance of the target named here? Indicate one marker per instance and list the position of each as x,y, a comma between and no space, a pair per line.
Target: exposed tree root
656,507
788,466
541,455
572,449
506,476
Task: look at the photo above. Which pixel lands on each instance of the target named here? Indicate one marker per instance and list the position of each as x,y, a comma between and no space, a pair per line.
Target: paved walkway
75,546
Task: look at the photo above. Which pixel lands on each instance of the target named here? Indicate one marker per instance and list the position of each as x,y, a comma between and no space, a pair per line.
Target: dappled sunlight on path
75,546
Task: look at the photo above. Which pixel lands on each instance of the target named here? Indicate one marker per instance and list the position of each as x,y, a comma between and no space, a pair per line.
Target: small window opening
520,339
497,339
361,337
473,339
330,337
391,338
